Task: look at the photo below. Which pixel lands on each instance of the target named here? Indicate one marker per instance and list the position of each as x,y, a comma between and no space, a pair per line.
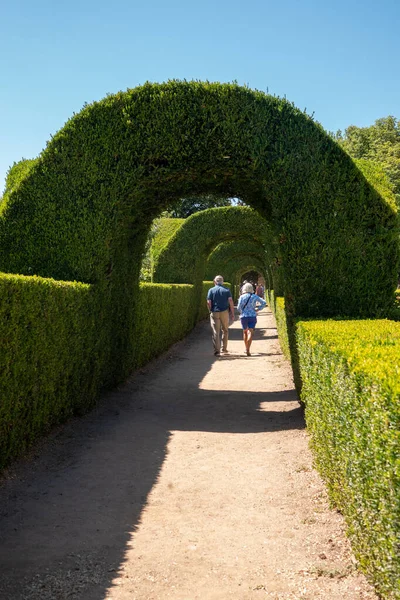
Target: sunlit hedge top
84,209
164,230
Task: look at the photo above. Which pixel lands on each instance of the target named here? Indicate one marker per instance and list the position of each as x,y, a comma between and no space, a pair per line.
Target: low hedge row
350,387
165,313
49,362
282,325
53,351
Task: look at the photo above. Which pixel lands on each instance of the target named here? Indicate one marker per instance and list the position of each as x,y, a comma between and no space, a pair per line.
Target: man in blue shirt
220,302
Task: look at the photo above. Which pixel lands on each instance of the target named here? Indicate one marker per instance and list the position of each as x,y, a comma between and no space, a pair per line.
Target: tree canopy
188,206
379,143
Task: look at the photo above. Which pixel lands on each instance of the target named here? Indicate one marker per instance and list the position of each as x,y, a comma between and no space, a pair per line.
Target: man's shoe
216,353
225,351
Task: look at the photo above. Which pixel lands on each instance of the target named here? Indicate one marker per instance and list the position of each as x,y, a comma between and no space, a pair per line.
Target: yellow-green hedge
350,374
282,325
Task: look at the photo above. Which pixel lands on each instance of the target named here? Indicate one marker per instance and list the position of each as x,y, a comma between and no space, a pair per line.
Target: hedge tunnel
177,263
238,266
228,258
84,209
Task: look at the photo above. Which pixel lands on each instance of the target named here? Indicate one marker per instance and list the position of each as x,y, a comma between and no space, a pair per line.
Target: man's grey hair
218,279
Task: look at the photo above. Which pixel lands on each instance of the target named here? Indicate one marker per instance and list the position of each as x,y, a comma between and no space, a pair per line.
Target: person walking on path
219,302
248,305
260,290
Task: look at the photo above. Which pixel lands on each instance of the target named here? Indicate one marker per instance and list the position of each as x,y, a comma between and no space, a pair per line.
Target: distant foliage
379,143
188,206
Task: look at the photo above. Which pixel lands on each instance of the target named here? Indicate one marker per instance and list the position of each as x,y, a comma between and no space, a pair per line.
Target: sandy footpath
191,481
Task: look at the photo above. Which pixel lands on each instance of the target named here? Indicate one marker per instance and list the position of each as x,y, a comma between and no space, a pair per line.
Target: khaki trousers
219,324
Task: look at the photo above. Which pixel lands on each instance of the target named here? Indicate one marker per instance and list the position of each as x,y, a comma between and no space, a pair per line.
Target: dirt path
192,481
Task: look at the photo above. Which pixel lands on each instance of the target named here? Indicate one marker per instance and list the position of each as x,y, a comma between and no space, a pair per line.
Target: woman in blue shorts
248,305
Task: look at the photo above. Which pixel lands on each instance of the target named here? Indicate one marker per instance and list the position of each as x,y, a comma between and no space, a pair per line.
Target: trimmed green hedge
165,314
184,258
84,209
230,259
165,229
350,387
350,372
282,325
15,174
54,354
50,365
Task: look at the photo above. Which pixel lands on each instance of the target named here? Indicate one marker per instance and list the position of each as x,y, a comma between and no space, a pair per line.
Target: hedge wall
165,313
350,374
53,348
15,174
84,210
350,389
282,325
50,345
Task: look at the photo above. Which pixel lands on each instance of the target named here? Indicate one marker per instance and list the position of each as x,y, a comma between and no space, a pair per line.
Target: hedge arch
231,253
84,210
184,257
236,267
233,249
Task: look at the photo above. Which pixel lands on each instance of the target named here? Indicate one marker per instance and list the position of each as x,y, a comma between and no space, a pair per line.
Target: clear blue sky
338,59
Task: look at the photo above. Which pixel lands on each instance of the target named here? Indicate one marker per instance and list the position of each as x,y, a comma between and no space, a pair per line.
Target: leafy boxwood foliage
161,230
50,342
231,251
84,210
165,229
164,315
16,173
53,348
184,257
282,325
350,374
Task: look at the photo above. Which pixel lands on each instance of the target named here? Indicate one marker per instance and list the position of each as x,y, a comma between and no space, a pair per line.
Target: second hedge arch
184,257
233,252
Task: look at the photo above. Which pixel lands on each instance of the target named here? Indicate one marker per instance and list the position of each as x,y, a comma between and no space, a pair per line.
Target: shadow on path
70,509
